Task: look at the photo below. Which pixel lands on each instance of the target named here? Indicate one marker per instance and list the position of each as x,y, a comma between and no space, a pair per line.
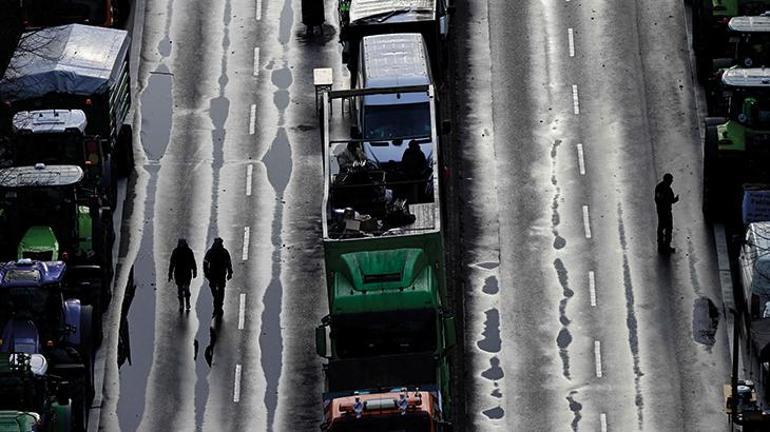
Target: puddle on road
491,286
559,242
575,407
705,321
488,265
564,339
491,342
140,320
277,160
286,23
494,413
495,372
157,103
164,47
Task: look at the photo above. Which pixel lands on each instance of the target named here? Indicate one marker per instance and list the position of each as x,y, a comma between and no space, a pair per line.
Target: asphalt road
574,111
567,114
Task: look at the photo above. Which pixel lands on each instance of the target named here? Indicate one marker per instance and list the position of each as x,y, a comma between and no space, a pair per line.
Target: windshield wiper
384,16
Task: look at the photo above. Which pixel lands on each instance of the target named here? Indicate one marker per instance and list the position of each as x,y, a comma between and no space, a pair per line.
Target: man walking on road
664,199
182,269
218,269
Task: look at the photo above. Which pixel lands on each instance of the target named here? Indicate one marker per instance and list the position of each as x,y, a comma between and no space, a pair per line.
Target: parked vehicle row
731,42
390,326
65,101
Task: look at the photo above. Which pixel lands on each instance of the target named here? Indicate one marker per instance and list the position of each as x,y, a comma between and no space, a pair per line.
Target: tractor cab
46,213
31,399
748,42
58,136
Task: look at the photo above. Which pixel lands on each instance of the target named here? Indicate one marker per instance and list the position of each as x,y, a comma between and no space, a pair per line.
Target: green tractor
711,30
46,214
737,148
31,398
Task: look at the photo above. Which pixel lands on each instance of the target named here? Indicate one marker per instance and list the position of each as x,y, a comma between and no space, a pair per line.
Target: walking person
664,199
218,269
313,16
182,269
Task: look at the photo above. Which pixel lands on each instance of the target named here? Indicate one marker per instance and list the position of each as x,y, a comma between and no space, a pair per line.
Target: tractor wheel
710,173
124,152
79,409
90,336
701,17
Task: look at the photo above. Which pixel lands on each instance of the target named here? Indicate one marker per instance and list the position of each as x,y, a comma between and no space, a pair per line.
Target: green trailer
389,327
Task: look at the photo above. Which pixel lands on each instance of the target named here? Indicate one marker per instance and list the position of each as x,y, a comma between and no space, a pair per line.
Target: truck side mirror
450,332
320,341
355,132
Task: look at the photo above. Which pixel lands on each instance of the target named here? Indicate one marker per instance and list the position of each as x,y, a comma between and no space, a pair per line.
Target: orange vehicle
401,410
48,13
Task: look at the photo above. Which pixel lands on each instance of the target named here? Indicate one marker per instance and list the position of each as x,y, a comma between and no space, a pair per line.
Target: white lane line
603,421
256,61
586,222
258,15
598,355
592,288
575,102
581,160
246,235
249,174
571,36
242,311
252,119
237,387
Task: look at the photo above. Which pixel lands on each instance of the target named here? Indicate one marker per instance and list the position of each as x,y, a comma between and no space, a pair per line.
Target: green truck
67,96
389,330
45,215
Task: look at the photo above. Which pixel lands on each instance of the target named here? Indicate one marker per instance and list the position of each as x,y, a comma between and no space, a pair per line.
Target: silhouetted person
413,162
664,199
218,269
313,15
182,269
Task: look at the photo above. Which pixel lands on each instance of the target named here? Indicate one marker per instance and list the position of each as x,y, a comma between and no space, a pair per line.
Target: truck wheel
710,177
124,157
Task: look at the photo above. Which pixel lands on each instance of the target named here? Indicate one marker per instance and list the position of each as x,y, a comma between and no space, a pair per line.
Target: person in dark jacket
664,199
218,269
182,269
313,15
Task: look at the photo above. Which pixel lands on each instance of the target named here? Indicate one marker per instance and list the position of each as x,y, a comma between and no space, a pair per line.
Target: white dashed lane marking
581,160
242,311
249,175
252,119
592,288
246,235
571,37
258,14
603,422
237,385
598,357
586,222
575,102
256,61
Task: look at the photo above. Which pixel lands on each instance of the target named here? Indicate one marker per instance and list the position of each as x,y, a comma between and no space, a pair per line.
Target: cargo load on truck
67,89
389,326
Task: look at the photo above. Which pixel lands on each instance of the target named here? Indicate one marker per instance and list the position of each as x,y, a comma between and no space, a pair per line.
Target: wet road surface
573,321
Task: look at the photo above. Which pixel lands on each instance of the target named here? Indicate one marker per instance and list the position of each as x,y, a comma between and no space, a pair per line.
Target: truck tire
124,152
710,174
701,17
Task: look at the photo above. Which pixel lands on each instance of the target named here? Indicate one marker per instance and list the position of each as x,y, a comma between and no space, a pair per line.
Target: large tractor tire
62,418
90,336
124,152
711,181
702,17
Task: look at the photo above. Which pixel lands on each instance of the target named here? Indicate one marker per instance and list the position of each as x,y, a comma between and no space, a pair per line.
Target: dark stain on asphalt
491,286
286,23
491,342
494,413
157,103
705,321
564,339
631,322
575,407
489,265
495,372
558,241
692,261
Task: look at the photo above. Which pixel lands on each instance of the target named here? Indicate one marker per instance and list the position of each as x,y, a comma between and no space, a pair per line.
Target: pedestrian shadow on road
208,353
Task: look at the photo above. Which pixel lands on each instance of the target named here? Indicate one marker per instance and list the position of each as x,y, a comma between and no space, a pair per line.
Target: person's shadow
208,353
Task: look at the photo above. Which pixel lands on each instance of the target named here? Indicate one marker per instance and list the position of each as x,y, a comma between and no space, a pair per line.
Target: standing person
313,15
182,269
664,199
216,267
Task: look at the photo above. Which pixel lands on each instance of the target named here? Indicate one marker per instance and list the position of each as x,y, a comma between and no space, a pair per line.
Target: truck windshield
385,423
384,333
384,122
52,12
50,149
